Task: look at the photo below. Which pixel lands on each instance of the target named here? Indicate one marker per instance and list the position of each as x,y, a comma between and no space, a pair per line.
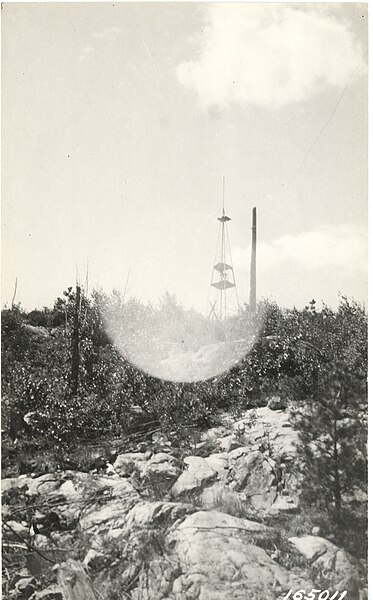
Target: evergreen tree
333,436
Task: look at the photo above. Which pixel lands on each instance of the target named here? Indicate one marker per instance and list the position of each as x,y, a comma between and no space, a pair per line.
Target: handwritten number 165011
314,595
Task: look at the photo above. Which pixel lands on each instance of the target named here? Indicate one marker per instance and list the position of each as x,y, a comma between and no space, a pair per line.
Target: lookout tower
222,277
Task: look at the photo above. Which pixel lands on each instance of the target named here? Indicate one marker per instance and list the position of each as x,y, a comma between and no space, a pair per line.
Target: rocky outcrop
198,474
155,527
267,429
334,564
156,513
127,463
255,475
220,557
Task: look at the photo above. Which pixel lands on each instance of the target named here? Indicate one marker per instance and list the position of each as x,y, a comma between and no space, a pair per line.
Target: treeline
295,351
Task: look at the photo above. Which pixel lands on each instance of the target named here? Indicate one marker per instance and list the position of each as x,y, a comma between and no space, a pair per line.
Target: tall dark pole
253,265
75,346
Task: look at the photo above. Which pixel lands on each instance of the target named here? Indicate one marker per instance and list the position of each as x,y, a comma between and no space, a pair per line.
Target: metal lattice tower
222,277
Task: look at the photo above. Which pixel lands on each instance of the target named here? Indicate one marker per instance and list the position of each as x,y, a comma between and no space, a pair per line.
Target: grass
220,497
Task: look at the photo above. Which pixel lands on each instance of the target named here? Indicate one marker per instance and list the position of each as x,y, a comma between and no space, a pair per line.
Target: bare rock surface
162,467
220,559
312,547
335,564
12,483
170,529
222,436
215,433
219,463
149,513
18,529
228,442
220,497
197,474
254,474
126,463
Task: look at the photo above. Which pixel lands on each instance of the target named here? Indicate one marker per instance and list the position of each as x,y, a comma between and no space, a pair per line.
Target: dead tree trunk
75,346
14,293
74,581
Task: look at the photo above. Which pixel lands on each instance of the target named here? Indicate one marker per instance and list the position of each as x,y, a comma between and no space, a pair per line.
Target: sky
121,119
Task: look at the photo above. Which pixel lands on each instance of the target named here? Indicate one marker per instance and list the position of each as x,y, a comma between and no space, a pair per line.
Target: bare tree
15,292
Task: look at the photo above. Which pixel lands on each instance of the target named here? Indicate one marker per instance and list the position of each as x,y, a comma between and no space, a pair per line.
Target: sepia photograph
184,304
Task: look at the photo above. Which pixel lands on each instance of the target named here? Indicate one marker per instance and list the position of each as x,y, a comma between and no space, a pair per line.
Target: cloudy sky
120,120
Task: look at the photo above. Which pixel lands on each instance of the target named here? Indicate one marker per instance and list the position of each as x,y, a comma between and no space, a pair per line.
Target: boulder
312,547
126,464
219,560
338,568
334,564
255,475
163,465
197,475
219,463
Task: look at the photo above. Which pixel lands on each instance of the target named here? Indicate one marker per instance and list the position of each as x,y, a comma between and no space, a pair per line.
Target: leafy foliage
314,359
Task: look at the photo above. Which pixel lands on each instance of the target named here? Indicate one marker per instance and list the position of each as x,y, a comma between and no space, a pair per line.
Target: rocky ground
155,524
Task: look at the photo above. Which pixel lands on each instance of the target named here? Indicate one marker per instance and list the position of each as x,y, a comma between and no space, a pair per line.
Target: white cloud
269,54
343,247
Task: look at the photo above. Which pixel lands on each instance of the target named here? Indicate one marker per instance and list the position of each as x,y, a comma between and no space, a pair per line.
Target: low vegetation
313,359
